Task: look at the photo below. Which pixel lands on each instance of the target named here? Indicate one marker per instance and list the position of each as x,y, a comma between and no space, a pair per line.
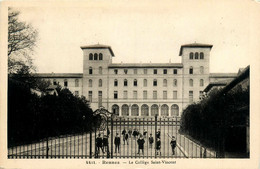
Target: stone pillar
130,112
159,110
119,111
139,111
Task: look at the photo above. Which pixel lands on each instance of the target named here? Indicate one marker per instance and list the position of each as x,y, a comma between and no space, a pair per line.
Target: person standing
130,132
99,144
117,143
123,133
158,146
135,133
158,134
144,133
140,143
151,141
105,144
126,138
173,145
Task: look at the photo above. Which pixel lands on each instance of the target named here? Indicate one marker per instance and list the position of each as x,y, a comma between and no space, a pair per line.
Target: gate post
112,136
47,148
90,143
155,126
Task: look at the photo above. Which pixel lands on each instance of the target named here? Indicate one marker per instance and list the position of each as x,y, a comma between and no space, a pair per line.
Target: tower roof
194,45
99,46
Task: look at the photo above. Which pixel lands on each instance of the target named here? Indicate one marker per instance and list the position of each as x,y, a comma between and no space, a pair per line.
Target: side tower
96,59
195,60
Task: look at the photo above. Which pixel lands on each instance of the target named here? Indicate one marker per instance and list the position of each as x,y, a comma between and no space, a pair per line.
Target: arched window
89,83
201,55
154,82
164,110
65,82
100,83
201,70
76,82
90,71
175,110
154,110
196,55
175,82
125,82
100,70
145,82
95,56
164,83
144,110
135,110
191,83
115,109
135,82
115,82
191,70
90,56
201,82
125,110
100,56
191,55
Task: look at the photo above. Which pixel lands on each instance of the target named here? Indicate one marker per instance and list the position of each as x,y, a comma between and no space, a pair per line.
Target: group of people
102,143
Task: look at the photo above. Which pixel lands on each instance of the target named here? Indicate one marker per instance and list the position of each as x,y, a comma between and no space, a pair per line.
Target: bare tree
21,42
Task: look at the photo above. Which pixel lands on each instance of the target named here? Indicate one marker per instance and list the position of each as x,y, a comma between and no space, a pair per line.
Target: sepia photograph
130,84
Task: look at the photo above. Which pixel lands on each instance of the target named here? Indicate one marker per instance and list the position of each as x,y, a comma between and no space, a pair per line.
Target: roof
194,45
222,75
98,46
212,84
59,75
146,65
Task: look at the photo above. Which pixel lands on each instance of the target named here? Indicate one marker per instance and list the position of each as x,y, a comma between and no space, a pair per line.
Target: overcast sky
144,31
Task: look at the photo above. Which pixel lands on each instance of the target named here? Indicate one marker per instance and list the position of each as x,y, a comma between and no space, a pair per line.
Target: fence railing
100,143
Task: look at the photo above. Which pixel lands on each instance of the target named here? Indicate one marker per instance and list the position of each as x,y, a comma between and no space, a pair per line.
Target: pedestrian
151,141
99,144
123,133
117,143
158,134
173,145
126,138
105,143
140,143
130,132
135,133
158,146
144,133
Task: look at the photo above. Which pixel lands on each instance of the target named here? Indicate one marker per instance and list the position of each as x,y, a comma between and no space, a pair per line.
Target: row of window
96,56
197,55
201,70
125,110
66,83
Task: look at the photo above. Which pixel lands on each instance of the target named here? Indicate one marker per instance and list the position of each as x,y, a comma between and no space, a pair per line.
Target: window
90,56
154,82
90,96
145,82
175,110
125,71
76,82
100,56
90,70
135,110
115,71
145,71
201,82
155,71
175,82
125,82
89,83
164,83
164,71
191,70
154,110
201,94
164,94
190,96
99,98
135,71
54,82
175,71
201,55
125,110
201,70
95,56
99,83
191,83
66,83
135,94
165,110
144,110
115,95
76,93
175,94
135,82
100,70
191,55
196,55
125,94
154,94
115,109
145,94
115,82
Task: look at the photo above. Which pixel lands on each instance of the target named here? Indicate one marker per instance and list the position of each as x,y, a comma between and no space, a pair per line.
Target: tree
21,42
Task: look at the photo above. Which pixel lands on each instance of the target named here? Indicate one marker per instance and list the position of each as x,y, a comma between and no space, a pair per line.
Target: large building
141,89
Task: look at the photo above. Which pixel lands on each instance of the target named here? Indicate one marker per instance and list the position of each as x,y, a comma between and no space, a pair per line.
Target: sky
144,31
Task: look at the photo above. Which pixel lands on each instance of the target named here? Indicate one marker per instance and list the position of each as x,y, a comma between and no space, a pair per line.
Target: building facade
141,89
